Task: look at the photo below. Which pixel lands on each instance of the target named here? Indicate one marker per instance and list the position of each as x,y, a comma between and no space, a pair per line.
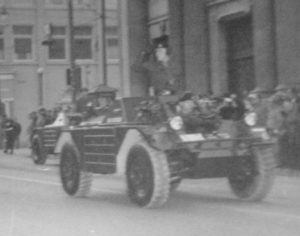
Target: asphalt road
32,203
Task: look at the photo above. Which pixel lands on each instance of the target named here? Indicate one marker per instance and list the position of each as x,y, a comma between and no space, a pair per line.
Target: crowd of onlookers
280,113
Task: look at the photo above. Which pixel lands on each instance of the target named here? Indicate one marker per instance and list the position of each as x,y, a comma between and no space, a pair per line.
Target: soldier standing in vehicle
104,97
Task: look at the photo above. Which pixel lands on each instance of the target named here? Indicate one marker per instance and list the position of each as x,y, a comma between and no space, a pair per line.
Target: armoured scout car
45,138
154,146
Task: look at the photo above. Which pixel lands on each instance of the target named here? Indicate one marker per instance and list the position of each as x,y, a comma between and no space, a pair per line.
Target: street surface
32,203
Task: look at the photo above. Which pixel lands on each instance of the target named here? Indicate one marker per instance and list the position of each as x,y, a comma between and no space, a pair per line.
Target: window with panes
83,42
57,49
112,32
23,35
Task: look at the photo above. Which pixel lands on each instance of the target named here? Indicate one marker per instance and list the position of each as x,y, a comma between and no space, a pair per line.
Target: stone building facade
205,46
214,46
34,75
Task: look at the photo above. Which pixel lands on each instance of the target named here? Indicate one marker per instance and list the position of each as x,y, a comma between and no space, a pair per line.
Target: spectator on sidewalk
12,130
33,116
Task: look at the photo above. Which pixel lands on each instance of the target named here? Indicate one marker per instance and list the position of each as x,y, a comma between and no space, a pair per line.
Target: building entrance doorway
240,64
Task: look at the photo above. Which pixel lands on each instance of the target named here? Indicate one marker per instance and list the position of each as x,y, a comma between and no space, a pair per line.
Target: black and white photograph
149,118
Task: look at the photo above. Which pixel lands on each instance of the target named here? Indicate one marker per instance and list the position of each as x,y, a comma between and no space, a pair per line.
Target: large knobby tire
75,180
38,154
252,176
148,176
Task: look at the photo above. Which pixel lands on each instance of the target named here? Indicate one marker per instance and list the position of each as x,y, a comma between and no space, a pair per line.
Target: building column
288,41
176,42
264,44
196,46
135,40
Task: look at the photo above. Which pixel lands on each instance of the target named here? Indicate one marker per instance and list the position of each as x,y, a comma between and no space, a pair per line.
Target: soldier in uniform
292,123
280,106
103,98
12,130
258,104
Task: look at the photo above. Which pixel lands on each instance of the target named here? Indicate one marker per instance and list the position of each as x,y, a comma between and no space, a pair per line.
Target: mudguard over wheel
175,179
148,176
75,180
38,155
252,175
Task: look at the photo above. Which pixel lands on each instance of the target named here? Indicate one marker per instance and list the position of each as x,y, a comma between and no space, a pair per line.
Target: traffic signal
77,77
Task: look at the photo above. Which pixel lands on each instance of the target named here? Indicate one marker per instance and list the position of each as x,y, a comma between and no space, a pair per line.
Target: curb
288,172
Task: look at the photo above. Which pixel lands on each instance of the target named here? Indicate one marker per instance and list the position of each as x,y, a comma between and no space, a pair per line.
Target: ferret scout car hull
44,139
43,143
154,157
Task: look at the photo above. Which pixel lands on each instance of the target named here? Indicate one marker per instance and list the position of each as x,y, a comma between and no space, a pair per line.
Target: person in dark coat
12,130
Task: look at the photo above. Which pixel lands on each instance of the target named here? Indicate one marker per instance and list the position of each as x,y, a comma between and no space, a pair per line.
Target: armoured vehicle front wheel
38,155
252,175
75,180
148,176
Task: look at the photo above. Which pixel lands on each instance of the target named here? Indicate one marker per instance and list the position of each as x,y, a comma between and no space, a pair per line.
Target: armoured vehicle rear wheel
75,180
148,176
252,175
38,155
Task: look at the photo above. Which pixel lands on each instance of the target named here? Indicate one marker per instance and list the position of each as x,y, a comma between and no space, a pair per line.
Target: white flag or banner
61,120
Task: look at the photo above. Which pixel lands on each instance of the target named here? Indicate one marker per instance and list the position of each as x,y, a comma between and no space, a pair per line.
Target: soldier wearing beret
103,98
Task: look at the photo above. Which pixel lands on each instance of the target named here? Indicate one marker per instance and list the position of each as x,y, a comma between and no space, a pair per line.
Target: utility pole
104,65
71,50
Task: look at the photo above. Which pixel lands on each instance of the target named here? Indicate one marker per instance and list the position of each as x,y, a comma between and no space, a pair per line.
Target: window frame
59,36
83,37
23,36
109,37
112,24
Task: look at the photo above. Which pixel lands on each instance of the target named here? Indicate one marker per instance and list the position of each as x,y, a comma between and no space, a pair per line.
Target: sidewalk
21,152
18,152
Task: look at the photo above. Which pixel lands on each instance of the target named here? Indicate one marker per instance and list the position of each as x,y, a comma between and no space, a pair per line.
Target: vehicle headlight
250,118
176,123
